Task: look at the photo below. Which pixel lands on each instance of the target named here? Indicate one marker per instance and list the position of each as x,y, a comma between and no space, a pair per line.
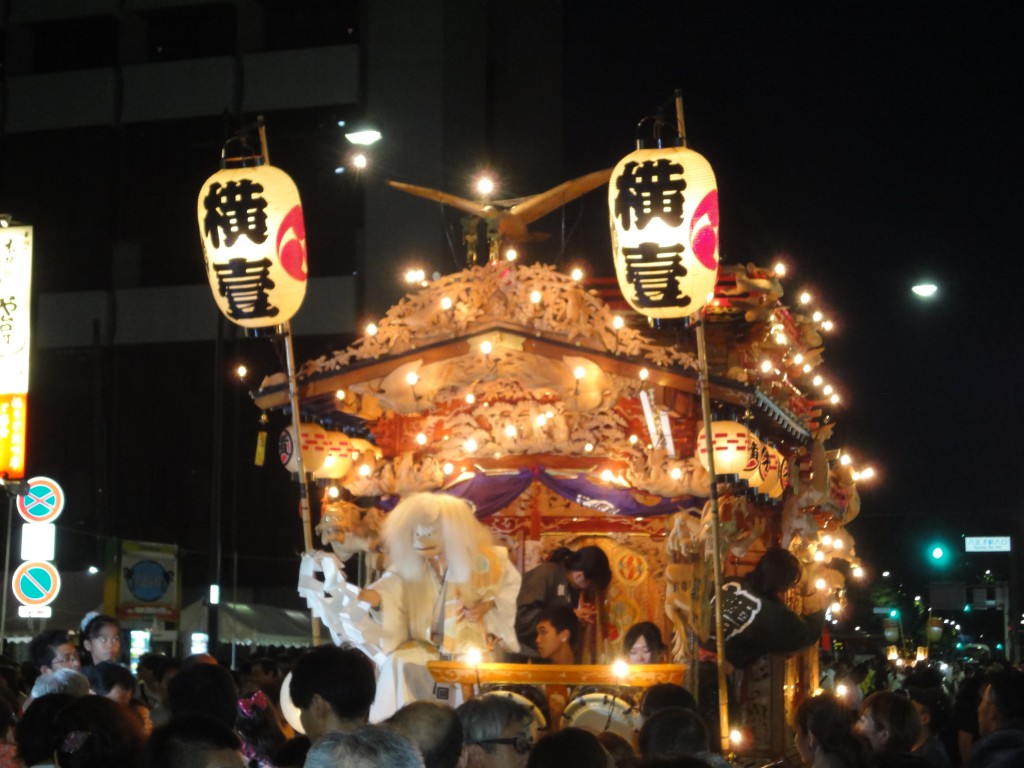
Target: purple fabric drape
492,493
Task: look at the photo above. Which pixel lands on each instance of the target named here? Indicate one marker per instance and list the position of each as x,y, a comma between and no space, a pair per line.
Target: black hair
673,732
663,695
1006,690
562,618
33,731
203,689
590,560
777,571
343,676
96,624
830,721
167,664
94,732
896,714
257,725
43,647
105,675
569,746
185,742
649,631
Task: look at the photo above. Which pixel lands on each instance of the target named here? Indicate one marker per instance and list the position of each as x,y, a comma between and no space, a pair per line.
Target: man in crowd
333,689
496,732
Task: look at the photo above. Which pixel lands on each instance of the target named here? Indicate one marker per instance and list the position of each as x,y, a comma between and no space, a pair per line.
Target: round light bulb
371,330
644,373
618,322
576,274
412,378
470,445
535,297
446,303
579,372
421,439
486,347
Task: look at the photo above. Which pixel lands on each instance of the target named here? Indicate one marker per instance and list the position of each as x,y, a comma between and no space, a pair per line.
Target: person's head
643,643
588,567
432,728
203,689
824,723
569,746
333,686
557,627
94,732
1002,701
933,707
52,650
112,681
776,572
67,681
672,732
263,671
496,732
617,746
149,665
101,638
35,727
370,746
257,725
663,695
193,741
889,722
426,525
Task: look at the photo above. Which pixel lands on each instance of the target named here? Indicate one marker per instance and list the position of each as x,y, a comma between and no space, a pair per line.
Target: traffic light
939,554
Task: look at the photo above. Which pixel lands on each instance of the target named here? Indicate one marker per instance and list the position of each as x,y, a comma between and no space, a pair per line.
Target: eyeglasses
521,744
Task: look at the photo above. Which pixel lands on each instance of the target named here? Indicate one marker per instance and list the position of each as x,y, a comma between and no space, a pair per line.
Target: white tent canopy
249,624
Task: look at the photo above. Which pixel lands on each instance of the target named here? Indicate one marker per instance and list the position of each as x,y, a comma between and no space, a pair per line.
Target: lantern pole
293,399
716,545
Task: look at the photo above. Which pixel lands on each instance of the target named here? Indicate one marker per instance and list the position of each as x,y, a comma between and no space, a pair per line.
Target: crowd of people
881,714
75,705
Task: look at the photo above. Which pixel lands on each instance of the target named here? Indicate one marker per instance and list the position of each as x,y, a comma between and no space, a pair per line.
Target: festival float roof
507,368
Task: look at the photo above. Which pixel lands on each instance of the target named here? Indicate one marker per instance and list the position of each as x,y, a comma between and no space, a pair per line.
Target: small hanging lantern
254,243
891,630
730,442
934,631
663,208
778,475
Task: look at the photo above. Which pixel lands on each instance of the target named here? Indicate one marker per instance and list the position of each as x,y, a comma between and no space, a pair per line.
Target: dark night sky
871,144
868,143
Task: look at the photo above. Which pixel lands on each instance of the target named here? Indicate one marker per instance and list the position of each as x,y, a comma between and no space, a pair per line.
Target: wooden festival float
568,423
574,413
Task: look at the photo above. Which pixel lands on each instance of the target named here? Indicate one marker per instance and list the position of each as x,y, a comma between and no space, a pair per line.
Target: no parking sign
36,583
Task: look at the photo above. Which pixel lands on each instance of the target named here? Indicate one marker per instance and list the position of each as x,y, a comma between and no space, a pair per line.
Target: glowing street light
925,290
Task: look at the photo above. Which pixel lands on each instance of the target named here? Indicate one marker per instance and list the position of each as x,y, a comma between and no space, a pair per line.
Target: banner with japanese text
15,291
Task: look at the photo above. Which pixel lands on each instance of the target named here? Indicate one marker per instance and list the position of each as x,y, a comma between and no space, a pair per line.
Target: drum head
527,696
602,709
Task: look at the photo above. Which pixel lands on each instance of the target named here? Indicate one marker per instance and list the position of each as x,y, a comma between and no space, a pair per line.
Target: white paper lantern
730,442
663,206
778,475
755,469
338,457
313,443
254,242
288,708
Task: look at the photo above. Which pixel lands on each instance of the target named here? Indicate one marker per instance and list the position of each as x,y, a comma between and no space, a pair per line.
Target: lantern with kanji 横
730,442
663,206
254,243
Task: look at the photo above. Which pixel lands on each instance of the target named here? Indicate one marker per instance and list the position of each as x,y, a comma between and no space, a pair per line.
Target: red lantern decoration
254,242
663,205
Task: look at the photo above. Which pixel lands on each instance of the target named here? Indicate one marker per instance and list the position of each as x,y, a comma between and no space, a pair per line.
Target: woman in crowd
824,738
643,644
891,725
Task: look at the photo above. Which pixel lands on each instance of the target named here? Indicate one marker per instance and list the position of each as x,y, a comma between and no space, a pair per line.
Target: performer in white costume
447,591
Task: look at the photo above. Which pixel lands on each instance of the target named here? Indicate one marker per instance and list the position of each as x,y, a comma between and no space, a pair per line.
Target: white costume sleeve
393,612
500,621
